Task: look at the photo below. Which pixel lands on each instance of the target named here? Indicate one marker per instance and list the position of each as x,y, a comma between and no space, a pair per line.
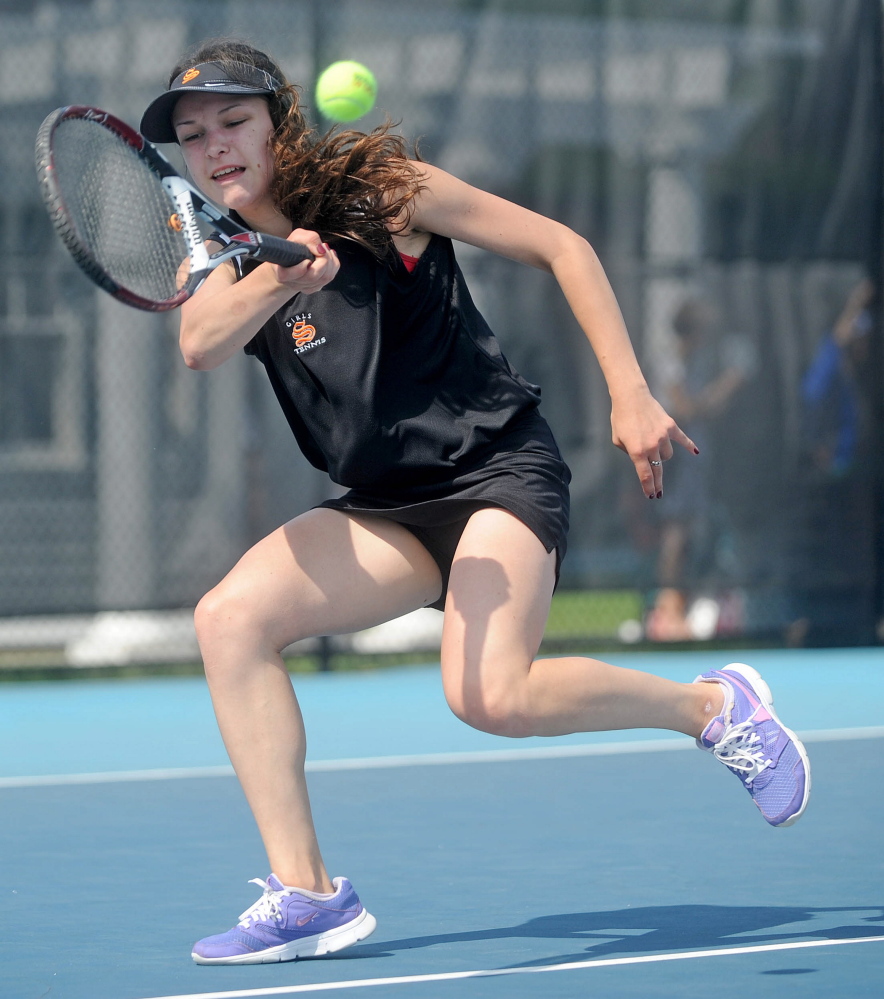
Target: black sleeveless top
393,383
389,379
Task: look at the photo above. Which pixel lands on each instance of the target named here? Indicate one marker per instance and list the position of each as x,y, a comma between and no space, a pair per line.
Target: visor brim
156,122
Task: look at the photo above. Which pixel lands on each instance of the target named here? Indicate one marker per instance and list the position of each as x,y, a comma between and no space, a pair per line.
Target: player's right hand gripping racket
129,220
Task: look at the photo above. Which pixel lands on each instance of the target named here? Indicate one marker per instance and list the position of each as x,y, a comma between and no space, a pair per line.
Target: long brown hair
347,185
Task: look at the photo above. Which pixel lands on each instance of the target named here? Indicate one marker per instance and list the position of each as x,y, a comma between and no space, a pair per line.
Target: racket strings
120,212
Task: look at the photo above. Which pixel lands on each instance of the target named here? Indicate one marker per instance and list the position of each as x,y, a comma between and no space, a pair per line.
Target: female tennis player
457,494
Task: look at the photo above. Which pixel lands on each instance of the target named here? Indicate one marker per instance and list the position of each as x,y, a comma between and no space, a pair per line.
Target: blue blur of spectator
832,566
830,389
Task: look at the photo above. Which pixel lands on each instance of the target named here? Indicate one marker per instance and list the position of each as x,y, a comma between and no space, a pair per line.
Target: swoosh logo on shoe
303,920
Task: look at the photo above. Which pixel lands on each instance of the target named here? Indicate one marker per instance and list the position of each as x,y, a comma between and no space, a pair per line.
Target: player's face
225,139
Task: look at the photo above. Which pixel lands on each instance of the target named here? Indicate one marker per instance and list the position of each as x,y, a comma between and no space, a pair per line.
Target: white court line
423,759
116,776
285,990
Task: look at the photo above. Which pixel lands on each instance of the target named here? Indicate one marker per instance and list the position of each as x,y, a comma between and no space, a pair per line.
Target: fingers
649,469
649,462
650,474
680,437
310,276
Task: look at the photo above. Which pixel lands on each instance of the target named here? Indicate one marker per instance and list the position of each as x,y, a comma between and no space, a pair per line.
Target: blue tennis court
619,865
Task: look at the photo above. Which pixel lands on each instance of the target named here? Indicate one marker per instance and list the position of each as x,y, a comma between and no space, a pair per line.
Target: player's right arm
221,318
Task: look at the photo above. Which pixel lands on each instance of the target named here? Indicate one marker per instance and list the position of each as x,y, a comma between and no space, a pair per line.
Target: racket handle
273,250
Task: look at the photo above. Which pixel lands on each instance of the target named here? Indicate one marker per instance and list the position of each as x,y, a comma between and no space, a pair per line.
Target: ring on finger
656,464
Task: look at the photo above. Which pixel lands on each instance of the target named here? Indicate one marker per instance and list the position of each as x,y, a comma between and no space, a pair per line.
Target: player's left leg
499,596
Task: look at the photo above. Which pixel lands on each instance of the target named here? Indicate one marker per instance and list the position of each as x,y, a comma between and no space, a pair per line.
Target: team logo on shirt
303,333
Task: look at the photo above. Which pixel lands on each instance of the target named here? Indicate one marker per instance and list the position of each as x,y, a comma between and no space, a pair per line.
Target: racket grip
273,250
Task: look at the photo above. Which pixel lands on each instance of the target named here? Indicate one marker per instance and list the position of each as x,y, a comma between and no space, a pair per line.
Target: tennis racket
127,217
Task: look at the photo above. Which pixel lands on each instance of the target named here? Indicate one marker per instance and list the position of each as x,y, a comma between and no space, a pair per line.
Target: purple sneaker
288,923
754,744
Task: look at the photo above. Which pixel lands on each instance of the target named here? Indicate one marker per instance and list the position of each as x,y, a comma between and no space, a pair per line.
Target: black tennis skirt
523,472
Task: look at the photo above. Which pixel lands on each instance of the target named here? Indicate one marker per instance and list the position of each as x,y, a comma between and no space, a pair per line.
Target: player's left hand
645,431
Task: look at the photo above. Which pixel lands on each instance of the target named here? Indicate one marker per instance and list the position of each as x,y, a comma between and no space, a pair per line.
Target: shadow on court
658,929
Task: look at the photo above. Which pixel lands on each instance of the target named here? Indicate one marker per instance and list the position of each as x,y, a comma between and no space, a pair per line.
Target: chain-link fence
723,158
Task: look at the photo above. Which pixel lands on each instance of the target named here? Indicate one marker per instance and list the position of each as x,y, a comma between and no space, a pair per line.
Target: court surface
619,865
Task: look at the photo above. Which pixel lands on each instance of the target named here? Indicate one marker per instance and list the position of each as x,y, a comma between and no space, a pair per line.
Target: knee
217,615
230,625
492,708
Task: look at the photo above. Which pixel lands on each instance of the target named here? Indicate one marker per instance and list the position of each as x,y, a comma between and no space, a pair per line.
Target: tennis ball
346,91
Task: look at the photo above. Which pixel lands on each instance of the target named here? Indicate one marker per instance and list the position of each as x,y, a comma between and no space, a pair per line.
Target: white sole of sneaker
763,691
322,943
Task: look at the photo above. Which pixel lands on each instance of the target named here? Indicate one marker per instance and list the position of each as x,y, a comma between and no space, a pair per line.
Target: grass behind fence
578,618
577,614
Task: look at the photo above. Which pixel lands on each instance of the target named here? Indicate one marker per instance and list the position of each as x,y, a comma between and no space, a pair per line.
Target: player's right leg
323,573
499,593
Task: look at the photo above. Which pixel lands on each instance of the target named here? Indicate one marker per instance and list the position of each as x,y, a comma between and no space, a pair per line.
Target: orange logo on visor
176,222
191,74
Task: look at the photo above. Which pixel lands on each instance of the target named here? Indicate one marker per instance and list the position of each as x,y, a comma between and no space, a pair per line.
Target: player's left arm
452,208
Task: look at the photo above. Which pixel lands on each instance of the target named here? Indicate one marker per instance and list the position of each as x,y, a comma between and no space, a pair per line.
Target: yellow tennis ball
346,91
